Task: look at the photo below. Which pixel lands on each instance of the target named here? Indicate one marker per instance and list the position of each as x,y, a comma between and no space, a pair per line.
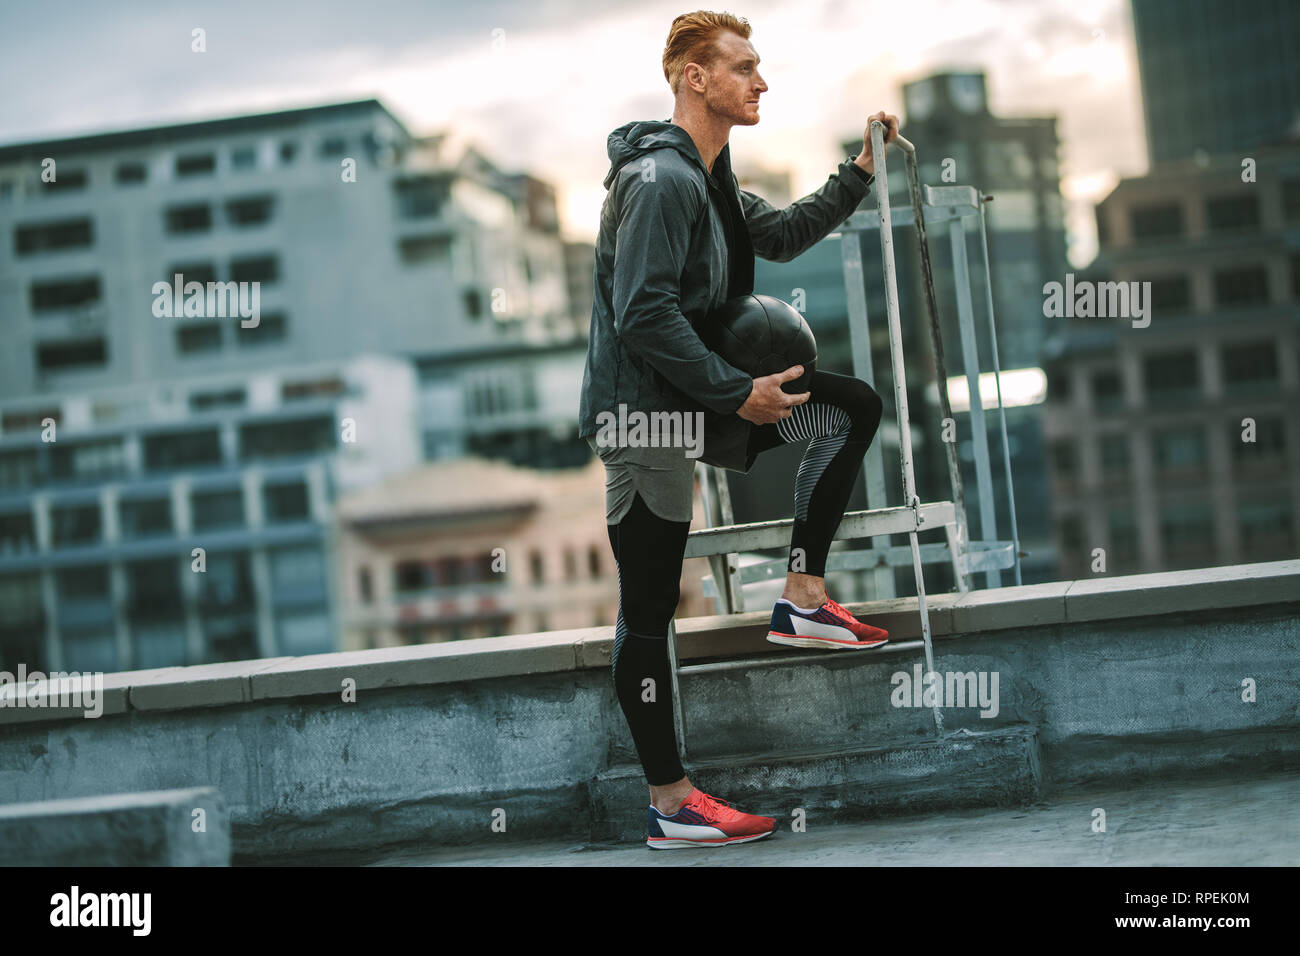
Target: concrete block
993,768
998,609
478,659
1179,591
125,829
115,700
204,685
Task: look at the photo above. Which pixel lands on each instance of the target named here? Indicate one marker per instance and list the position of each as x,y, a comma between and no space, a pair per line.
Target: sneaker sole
672,843
829,643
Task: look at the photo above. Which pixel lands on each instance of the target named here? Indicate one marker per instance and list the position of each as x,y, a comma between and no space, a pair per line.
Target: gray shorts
664,477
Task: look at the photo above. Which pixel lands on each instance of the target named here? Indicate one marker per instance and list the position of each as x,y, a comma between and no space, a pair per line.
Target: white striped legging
841,417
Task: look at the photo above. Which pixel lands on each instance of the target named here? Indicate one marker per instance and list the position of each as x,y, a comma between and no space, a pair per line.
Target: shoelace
837,608
717,809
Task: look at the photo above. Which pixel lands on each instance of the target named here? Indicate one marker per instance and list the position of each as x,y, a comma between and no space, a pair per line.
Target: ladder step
732,538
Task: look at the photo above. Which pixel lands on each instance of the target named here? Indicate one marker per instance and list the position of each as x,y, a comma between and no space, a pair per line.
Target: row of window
1179,451
1171,378
191,338
413,576
156,610
69,292
106,459
76,525
192,165
1223,214
1187,535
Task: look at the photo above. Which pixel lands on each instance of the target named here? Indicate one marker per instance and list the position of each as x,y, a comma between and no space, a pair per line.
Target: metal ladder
722,540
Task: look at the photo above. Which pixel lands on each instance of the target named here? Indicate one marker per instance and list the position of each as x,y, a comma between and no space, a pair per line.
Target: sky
539,85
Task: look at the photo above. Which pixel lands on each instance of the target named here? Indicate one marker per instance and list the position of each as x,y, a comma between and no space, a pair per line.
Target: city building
1216,77
1175,444
477,548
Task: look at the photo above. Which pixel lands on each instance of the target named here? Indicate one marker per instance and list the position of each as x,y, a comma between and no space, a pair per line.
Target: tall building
1175,445
212,329
1217,76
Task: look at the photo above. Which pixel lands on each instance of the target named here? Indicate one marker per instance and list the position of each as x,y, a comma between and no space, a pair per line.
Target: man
677,238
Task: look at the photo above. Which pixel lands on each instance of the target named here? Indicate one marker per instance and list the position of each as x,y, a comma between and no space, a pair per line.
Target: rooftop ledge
732,636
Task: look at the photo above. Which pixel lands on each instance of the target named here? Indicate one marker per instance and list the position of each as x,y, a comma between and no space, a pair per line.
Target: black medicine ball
762,335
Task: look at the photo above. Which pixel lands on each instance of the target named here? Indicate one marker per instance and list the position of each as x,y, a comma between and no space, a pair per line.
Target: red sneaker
829,626
703,820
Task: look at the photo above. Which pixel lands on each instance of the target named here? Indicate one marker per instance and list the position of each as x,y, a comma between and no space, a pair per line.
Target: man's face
733,84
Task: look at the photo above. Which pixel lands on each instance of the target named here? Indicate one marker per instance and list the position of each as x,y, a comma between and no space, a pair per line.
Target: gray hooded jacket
668,253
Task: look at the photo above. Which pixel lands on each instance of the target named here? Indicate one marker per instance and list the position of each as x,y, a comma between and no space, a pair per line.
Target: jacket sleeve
650,254
782,234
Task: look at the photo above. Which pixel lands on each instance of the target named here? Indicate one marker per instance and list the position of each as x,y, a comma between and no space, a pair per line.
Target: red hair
690,40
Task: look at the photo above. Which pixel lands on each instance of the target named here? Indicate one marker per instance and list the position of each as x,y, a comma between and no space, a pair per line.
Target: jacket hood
633,140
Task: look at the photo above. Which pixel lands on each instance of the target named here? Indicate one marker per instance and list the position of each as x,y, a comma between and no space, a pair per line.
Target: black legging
841,417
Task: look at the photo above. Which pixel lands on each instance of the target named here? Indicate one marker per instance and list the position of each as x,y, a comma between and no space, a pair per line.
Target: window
365,586
1065,459
182,449
473,303
153,588
130,173
1107,391
227,584
306,436
1265,530
271,328
217,509
1246,286
193,217
1180,451
570,565
297,575
53,236
593,561
198,337
1230,213
412,576
71,355
421,198
19,469
59,294
196,164
255,269
1171,295
88,460
249,211
1157,221
204,272
332,146
288,151
1123,539
1172,378
537,567
1114,457
74,524
17,534
243,157
1291,200
66,181
417,249
1250,367
146,517
1268,447
1071,533
1187,534
286,502
222,398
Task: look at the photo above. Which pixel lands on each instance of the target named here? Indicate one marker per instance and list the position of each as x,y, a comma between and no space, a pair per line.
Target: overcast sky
539,85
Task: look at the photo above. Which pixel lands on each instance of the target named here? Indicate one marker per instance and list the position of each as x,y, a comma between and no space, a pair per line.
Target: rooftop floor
1226,822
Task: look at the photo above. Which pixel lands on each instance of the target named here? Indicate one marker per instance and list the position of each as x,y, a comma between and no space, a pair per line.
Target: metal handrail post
910,498
997,377
970,358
